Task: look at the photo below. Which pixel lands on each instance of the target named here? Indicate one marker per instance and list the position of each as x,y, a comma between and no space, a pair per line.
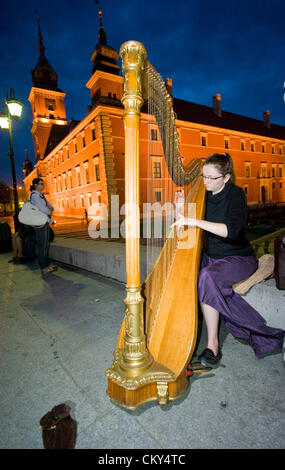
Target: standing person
42,233
227,258
19,242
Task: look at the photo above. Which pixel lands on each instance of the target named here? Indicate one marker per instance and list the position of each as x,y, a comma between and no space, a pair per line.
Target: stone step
102,257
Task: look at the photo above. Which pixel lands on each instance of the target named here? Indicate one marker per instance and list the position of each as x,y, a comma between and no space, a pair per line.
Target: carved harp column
134,377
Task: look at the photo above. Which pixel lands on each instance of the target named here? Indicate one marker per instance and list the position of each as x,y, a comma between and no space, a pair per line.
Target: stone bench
270,303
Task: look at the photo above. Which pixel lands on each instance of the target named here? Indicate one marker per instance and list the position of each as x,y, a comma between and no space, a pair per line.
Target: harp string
174,176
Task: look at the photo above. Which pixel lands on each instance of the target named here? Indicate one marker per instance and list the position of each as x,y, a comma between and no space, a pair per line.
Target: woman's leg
244,322
42,242
14,245
211,317
19,244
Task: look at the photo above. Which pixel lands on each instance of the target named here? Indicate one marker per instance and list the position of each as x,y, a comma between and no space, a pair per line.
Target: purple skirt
215,282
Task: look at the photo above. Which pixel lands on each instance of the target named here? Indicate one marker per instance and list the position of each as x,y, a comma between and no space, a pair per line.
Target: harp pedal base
132,388
197,368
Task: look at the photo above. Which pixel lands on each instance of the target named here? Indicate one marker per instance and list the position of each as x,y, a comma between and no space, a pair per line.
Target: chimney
217,105
168,84
266,118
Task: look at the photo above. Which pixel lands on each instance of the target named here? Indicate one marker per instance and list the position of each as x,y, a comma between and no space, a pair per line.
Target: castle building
82,163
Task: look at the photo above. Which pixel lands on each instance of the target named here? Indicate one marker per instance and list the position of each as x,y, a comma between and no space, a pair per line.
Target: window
280,151
90,199
245,190
263,148
64,181
242,145
86,169
77,168
75,146
158,196
247,171
50,104
82,200
55,184
93,134
74,201
69,178
252,147
263,171
59,184
280,184
273,171
280,172
67,152
67,202
97,169
62,202
204,141
226,143
273,185
153,134
273,149
99,197
83,141
156,169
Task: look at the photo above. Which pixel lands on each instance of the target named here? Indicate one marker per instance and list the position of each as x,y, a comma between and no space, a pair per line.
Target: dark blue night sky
236,48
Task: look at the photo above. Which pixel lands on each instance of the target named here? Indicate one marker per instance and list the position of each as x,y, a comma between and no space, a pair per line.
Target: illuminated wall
87,166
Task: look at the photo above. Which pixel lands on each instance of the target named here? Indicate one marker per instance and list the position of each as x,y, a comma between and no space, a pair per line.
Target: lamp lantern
4,121
14,105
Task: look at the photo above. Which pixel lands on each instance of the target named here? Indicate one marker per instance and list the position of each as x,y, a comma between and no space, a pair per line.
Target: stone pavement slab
57,337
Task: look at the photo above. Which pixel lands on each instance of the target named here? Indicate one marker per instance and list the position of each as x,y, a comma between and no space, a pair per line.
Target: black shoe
208,358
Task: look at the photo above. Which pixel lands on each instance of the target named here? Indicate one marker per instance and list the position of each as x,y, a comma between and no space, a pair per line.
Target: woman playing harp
227,258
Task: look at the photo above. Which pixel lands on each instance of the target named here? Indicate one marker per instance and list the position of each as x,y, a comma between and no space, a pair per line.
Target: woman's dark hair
223,162
35,181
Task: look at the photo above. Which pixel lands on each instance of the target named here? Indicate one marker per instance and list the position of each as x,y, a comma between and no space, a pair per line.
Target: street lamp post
14,111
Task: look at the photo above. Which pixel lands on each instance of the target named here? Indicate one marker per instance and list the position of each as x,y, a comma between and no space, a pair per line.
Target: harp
158,334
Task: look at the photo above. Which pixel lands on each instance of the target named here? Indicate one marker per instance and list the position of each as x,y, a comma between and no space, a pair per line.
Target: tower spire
102,34
40,37
104,57
27,165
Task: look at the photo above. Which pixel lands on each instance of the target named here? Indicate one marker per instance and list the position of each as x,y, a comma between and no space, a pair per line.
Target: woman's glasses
211,177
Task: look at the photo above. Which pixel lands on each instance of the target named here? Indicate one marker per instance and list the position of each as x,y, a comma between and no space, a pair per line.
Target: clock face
50,104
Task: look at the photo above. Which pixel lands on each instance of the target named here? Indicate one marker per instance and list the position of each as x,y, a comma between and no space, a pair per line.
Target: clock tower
48,107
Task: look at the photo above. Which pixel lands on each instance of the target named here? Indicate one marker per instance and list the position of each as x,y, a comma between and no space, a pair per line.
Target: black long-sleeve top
227,207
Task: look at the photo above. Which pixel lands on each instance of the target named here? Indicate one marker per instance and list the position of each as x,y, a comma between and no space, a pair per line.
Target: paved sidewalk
57,338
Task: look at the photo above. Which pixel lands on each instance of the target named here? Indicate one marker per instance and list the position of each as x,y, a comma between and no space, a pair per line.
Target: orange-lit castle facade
83,163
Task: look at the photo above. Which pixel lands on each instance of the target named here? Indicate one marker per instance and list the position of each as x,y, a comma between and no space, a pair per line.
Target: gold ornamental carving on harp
133,365
133,55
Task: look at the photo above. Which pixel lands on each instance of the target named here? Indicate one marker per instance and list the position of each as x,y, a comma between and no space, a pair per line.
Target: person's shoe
208,358
49,269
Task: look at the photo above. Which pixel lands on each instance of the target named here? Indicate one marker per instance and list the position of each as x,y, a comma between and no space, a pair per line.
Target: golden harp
158,334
